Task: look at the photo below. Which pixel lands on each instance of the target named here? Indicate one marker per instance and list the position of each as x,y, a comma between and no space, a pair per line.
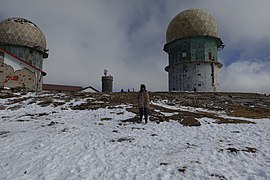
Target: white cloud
246,76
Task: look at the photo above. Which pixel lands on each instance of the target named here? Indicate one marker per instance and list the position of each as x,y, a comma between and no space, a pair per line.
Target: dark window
199,85
213,73
199,74
210,56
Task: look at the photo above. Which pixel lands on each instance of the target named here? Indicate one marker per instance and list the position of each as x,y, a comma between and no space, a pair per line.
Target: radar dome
19,31
191,22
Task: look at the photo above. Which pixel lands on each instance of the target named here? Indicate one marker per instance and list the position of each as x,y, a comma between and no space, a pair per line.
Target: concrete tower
23,48
107,82
192,44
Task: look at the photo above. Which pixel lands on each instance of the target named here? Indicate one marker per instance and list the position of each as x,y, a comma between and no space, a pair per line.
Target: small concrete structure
107,82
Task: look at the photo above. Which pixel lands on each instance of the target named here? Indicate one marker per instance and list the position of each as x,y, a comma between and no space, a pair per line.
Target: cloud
246,76
111,40
127,37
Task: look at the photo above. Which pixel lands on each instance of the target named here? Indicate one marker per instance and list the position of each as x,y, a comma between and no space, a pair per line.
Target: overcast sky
84,37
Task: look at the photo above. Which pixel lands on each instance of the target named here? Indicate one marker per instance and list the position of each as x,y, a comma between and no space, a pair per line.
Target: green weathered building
193,45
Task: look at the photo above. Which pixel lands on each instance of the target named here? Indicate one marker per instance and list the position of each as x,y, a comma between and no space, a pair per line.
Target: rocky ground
234,105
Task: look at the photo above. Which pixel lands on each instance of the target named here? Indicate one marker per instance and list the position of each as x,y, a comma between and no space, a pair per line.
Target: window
199,85
199,74
213,73
184,54
184,68
210,56
20,54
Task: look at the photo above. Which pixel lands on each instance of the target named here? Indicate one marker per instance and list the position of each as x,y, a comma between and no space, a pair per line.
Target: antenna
105,72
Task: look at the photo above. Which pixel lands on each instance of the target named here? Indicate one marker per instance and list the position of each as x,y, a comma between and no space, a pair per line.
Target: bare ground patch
248,112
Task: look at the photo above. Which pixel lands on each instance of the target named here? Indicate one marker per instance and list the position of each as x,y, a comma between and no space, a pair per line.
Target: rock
190,121
2,107
3,134
14,108
52,123
65,130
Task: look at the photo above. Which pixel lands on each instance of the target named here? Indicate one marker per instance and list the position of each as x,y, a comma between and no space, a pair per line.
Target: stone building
192,44
22,51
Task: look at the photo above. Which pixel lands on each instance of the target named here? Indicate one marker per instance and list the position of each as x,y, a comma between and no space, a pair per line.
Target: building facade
22,51
192,44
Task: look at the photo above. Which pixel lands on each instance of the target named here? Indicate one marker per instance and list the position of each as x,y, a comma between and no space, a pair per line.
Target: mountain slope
96,136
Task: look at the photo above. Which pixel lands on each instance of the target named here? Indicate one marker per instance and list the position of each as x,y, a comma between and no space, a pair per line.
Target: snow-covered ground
56,142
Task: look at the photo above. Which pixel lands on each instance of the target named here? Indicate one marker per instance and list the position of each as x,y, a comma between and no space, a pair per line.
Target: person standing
143,102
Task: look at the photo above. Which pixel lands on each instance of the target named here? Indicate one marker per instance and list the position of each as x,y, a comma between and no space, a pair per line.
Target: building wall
200,76
193,49
13,75
193,64
29,55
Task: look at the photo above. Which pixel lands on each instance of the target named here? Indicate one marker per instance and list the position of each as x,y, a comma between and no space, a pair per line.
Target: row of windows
182,56
184,75
180,88
30,56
